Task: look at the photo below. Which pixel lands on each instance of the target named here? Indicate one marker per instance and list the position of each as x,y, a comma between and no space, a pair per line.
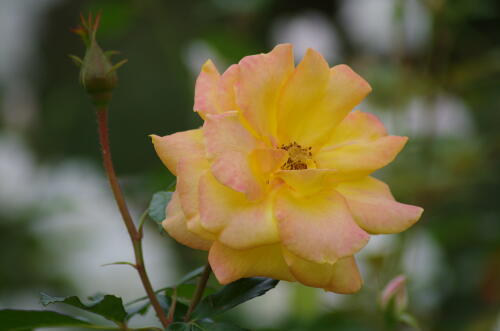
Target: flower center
298,157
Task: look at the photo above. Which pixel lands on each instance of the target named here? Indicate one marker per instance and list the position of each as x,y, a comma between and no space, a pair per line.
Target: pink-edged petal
308,181
227,88
176,227
239,223
229,264
206,90
172,148
374,207
214,93
318,227
230,144
262,78
340,277
361,159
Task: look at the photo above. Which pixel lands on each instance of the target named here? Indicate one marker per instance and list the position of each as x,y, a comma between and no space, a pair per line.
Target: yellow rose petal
374,207
229,264
175,225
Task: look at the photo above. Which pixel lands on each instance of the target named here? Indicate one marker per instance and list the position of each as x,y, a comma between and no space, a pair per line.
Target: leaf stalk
200,289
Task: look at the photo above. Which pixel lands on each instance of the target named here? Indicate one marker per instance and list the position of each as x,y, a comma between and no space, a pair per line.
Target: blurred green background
434,66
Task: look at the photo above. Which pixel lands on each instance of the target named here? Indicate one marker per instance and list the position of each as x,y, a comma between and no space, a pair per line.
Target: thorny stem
135,235
200,288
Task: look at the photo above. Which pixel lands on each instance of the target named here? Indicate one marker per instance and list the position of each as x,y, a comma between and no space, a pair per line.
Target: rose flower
277,181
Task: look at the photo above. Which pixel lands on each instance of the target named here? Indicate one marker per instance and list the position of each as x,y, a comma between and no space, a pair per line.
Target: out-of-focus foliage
434,66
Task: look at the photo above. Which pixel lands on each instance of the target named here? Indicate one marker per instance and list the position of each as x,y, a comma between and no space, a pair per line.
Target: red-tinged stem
135,235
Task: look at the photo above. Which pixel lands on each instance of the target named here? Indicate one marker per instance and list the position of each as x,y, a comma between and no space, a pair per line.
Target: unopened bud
395,296
97,74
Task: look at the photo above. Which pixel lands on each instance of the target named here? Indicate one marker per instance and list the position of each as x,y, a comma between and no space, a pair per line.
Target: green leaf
108,306
232,295
140,309
158,205
26,319
203,326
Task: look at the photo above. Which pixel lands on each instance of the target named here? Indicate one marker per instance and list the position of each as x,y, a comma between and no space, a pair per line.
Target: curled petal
230,144
319,227
176,227
374,207
240,224
261,80
340,277
172,148
229,264
361,159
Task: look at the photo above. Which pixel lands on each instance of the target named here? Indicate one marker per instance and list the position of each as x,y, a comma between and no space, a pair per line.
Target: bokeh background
434,66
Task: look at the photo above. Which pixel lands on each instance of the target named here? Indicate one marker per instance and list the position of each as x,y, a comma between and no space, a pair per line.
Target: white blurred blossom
444,116
309,29
79,223
197,53
373,25
424,265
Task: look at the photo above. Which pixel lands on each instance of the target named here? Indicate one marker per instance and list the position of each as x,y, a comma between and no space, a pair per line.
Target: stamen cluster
298,156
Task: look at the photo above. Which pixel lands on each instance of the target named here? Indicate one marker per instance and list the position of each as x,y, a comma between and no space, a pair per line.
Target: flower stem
200,288
135,235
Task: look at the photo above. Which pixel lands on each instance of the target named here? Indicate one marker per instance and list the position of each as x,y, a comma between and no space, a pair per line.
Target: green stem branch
135,235
200,288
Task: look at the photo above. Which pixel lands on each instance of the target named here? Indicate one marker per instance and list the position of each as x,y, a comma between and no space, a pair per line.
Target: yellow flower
276,183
